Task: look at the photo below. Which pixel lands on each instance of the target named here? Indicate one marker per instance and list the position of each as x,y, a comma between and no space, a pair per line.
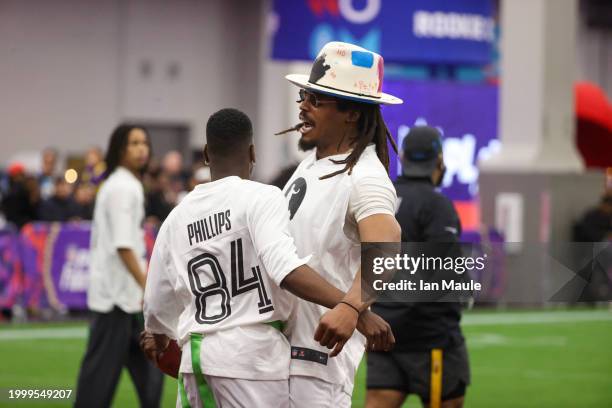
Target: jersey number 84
207,264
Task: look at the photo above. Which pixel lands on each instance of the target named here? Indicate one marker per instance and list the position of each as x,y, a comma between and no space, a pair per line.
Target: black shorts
410,372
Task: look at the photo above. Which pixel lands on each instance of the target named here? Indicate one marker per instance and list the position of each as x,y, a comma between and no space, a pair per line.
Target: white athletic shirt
117,223
216,267
324,216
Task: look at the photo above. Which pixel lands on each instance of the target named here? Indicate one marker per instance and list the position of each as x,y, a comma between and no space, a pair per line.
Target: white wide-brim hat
347,71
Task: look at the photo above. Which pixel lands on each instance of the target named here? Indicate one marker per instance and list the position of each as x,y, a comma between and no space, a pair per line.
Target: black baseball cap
421,148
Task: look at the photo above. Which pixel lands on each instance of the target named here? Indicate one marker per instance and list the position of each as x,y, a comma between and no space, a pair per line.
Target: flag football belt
206,395
435,390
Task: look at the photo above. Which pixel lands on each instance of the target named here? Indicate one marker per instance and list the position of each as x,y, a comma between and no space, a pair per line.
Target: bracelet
353,307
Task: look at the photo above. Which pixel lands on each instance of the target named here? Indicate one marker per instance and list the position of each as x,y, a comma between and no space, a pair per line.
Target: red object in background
318,7
593,125
16,169
592,104
469,214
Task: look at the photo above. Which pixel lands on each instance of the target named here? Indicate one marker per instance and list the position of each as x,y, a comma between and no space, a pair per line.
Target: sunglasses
313,99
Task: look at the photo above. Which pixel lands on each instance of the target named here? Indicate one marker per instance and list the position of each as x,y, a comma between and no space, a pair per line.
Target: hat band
342,90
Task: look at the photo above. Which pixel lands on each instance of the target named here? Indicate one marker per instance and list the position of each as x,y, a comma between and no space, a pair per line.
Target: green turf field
519,359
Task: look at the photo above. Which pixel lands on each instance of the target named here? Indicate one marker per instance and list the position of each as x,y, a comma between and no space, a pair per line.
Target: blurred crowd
58,192
65,193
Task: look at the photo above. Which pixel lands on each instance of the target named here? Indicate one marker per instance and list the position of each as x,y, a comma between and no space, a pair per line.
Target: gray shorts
410,372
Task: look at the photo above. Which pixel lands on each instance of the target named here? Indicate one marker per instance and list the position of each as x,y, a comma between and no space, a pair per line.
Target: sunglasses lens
313,100
309,97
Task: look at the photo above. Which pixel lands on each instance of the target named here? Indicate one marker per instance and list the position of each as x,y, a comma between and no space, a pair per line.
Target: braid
291,129
371,128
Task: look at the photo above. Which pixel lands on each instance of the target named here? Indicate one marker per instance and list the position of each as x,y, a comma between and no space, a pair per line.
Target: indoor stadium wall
78,67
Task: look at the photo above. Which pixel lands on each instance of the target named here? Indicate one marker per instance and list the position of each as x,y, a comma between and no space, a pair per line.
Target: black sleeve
440,221
443,231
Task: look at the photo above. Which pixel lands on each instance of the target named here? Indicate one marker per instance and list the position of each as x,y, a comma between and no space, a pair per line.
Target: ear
206,158
252,154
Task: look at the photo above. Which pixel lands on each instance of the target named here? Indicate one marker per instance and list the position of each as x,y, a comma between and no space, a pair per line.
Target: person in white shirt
117,279
339,196
215,284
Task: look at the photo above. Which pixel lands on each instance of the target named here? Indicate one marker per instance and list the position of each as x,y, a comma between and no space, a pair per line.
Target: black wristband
353,307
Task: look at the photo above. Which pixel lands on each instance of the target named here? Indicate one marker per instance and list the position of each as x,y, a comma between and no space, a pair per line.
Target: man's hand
376,330
162,351
336,327
153,345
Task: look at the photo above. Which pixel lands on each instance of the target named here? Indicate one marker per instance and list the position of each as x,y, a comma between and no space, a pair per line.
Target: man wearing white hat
338,197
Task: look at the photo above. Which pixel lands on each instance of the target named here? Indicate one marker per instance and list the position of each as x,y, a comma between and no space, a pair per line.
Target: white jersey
216,267
324,216
117,223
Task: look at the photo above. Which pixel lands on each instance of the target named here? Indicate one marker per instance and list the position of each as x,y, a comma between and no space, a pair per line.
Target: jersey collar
340,156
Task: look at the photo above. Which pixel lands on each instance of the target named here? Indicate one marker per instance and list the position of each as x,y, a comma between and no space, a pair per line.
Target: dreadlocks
371,128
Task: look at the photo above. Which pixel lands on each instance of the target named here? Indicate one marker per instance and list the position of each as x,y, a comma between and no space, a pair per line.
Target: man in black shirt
596,224
427,333
19,200
60,207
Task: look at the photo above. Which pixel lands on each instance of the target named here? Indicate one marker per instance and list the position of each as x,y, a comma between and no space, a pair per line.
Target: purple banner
70,265
416,31
32,247
46,265
10,269
465,114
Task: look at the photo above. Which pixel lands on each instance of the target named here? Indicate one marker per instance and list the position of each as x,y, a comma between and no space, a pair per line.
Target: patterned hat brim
302,81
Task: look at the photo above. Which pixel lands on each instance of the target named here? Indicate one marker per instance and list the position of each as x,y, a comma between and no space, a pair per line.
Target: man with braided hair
215,283
338,197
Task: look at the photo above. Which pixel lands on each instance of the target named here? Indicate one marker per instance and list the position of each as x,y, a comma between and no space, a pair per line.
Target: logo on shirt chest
295,194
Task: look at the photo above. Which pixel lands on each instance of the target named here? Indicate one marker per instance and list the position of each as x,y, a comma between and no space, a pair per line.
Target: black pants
113,344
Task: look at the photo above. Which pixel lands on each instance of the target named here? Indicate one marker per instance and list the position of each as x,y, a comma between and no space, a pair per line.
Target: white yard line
535,317
43,333
476,319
